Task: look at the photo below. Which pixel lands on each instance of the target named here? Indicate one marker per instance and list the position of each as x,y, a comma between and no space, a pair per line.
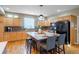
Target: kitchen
14,26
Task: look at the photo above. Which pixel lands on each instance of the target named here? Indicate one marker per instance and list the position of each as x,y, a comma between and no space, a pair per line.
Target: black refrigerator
63,27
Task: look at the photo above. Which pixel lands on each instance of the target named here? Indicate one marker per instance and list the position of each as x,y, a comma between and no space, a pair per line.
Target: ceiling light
7,8
9,15
41,17
58,10
16,16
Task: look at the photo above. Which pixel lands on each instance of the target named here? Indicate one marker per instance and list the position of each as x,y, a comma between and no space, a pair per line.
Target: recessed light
16,16
58,10
7,8
9,15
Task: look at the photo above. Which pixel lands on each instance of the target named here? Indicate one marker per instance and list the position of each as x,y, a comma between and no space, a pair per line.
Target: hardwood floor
15,47
19,47
73,49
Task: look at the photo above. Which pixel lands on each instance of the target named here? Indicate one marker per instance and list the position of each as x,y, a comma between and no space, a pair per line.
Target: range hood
2,12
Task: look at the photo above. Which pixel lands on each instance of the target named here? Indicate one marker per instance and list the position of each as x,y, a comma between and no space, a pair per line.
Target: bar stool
30,43
60,42
49,46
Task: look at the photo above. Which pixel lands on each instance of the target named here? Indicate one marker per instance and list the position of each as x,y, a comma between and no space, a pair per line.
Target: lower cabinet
12,36
21,35
1,37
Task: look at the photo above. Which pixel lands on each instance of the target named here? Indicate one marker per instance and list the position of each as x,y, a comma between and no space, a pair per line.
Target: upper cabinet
69,17
12,22
8,21
16,22
44,23
1,19
1,24
1,28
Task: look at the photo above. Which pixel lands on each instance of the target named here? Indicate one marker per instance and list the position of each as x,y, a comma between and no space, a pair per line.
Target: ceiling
2,12
46,10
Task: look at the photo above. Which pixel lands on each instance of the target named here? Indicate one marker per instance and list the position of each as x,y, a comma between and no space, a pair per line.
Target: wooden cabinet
1,28
1,36
12,36
1,24
41,23
21,35
16,22
12,22
1,19
8,21
44,23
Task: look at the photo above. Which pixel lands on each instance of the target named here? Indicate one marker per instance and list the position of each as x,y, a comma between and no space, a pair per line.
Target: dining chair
49,46
30,43
60,42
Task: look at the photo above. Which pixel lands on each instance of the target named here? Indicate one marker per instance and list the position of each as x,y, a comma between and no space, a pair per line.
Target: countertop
2,46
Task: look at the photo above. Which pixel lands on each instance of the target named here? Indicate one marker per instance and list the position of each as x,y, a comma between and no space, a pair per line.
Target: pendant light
41,17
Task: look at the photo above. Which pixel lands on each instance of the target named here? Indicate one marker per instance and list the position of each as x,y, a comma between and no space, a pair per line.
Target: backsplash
13,28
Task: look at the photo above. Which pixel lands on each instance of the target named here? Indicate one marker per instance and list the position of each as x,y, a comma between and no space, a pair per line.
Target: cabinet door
25,36
47,23
1,31
10,36
21,35
72,36
8,21
1,19
1,37
1,27
1,24
16,22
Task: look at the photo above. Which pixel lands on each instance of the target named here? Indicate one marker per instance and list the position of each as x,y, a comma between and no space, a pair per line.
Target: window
29,23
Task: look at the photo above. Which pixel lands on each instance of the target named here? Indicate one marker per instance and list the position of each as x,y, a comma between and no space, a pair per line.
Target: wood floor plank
19,47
